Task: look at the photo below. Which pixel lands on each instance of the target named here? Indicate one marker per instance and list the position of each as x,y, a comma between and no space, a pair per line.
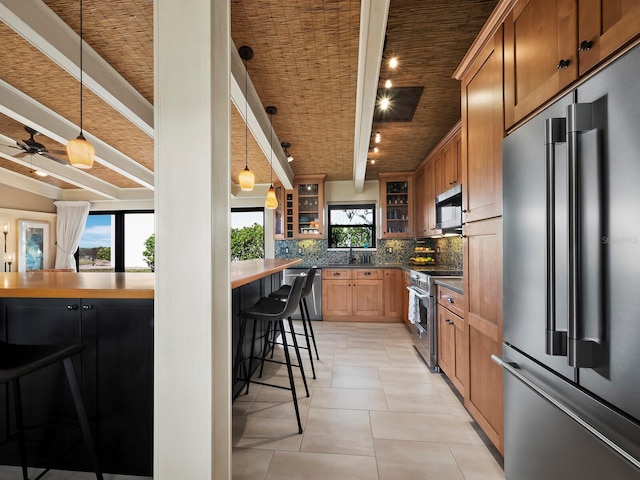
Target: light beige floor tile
321,466
279,395
361,360
279,409
250,463
448,395
326,338
266,433
333,430
349,398
410,460
355,377
459,411
477,463
408,375
409,359
420,426
366,348
417,398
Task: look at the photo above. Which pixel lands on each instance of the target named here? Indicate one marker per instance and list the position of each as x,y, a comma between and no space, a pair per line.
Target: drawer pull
72,307
367,273
563,64
336,274
449,299
87,307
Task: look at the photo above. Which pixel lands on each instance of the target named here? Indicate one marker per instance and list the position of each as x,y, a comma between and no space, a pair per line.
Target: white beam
21,182
258,120
40,26
373,25
27,111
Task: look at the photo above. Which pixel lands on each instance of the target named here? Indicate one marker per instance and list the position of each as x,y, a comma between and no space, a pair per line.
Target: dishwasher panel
314,300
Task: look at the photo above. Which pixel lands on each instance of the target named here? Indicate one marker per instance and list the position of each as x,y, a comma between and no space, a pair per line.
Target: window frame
349,206
119,235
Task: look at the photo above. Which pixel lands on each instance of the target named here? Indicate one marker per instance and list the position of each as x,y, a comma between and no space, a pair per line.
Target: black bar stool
16,361
283,292
273,312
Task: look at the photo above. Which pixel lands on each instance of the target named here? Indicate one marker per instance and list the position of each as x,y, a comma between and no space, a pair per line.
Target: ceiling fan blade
4,145
51,157
21,155
22,144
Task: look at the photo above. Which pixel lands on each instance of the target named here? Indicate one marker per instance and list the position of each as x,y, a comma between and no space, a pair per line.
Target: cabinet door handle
336,274
449,299
585,46
72,307
563,64
87,307
367,273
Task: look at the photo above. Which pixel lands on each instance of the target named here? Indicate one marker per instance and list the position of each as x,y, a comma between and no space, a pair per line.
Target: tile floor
374,412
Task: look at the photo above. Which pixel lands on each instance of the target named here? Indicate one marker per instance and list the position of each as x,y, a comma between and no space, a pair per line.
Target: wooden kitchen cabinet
540,54
353,294
482,250
431,199
421,209
394,289
452,172
396,200
452,337
483,131
548,44
603,27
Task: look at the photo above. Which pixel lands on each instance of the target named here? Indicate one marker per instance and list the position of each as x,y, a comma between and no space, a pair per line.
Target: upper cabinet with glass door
308,206
396,200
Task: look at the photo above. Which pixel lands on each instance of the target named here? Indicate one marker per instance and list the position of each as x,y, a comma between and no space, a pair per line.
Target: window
117,242
352,226
247,233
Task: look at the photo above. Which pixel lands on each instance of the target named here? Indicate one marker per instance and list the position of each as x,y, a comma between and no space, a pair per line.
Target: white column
192,415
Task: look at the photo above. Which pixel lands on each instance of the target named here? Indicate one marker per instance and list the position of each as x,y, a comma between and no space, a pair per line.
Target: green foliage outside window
247,242
344,237
149,254
104,253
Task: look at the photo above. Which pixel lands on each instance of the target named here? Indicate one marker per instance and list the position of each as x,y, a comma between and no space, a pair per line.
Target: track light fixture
285,146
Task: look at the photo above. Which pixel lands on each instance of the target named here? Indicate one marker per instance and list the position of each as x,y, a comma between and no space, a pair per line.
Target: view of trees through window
247,233
352,226
119,241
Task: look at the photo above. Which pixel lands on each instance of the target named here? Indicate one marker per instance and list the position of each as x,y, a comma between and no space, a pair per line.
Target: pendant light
79,151
246,179
271,201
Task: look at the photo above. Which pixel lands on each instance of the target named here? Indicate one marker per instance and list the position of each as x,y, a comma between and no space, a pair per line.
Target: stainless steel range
422,312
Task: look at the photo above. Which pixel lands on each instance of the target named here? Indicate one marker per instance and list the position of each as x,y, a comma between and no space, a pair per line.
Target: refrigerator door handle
555,132
581,352
512,368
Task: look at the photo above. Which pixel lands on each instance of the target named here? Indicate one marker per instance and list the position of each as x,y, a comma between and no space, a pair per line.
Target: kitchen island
112,315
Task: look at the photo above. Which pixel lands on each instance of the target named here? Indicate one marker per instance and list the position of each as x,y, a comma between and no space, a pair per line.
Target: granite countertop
455,284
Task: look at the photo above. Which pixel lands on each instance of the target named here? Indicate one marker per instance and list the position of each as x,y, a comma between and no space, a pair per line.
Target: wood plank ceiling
305,63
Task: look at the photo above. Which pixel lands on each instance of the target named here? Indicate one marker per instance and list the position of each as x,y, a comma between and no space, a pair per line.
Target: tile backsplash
394,251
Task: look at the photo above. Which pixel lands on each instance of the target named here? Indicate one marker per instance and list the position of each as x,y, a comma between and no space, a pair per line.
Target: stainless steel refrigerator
571,357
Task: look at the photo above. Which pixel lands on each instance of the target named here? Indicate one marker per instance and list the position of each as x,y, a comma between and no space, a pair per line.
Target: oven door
424,328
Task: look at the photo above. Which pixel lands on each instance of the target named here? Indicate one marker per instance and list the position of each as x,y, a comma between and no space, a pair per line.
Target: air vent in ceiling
402,103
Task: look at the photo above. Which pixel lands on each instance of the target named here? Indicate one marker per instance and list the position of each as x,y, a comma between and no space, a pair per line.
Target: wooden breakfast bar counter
112,315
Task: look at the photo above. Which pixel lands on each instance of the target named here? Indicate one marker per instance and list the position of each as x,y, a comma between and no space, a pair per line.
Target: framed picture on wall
33,240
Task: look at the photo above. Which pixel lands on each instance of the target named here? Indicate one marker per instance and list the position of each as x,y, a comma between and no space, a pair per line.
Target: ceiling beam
21,182
373,25
258,120
40,26
27,111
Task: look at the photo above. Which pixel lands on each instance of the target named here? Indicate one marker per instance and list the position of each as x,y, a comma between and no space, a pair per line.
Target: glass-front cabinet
308,206
396,200
300,212
279,217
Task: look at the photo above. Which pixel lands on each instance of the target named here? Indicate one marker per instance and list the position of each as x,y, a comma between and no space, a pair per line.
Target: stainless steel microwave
449,209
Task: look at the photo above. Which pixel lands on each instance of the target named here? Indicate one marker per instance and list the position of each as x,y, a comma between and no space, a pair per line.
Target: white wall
22,200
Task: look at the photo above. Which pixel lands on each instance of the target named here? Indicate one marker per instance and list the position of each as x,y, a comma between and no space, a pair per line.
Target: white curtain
72,217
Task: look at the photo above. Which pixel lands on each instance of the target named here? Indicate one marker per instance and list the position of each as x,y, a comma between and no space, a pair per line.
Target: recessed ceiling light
384,103
388,84
376,149
40,173
372,161
378,137
393,62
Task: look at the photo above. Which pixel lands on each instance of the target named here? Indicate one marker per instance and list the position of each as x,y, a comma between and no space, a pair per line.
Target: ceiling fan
31,147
